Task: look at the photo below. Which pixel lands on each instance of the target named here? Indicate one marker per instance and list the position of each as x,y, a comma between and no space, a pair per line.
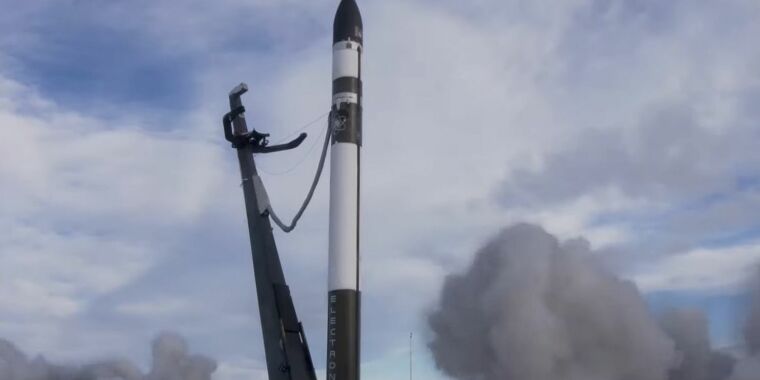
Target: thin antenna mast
410,355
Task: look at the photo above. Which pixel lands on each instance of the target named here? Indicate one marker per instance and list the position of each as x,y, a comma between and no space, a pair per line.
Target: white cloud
717,270
56,161
45,270
89,206
155,308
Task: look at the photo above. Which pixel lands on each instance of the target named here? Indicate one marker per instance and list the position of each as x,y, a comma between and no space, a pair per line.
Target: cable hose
288,228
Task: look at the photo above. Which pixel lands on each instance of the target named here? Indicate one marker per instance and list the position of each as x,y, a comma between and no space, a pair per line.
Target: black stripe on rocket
349,130
342,340
348,109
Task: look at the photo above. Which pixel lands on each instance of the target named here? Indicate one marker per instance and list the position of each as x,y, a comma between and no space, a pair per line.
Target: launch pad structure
285,345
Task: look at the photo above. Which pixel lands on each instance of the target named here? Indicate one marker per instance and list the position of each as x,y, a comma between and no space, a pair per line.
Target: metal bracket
259,142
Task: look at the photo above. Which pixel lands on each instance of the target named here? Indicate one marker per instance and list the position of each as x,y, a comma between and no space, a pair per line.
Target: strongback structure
285,346
343,271
286,349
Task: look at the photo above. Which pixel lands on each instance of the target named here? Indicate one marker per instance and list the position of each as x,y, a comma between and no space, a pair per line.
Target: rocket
343,328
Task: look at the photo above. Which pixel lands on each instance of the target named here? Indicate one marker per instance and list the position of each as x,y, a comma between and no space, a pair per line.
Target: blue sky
632,123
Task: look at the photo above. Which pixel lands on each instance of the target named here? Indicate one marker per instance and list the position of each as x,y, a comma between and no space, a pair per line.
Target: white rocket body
343,328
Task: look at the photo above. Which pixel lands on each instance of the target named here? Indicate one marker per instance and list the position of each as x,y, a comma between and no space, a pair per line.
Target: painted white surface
344,198
346,59
345,97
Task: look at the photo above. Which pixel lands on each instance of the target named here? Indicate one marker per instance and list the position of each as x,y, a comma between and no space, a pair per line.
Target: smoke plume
530,308
696,359
533,308
749,368
752,326
171,361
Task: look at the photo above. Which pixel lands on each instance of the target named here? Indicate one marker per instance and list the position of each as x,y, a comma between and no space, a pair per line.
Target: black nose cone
348,22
